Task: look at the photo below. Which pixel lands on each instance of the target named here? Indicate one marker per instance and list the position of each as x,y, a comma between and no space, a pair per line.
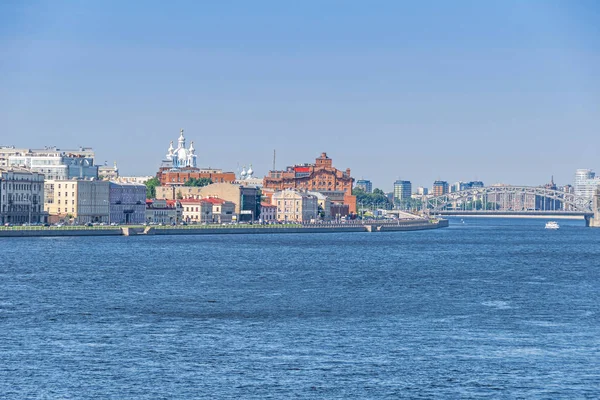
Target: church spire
181,140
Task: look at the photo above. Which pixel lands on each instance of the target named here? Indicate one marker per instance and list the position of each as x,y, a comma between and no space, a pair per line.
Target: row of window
21,186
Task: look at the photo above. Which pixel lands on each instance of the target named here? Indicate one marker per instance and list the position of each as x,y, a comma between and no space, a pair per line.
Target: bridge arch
509,198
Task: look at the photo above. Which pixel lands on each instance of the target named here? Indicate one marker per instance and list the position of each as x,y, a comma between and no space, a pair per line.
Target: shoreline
404,226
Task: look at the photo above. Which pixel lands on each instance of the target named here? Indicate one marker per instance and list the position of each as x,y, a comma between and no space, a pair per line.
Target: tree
198,182
151,185
377,198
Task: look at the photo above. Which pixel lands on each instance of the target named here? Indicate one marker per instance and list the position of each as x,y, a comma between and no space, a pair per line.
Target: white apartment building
55,164
21,196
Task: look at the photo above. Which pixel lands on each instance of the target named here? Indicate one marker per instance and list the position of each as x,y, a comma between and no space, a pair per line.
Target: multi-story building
57,164
7,151
402,190
180,165
21,196
440,188
127,203
107,172
295,206
365,185
318,177
586,183
77,201
268,213
245,198
133,179
160,211
223,211
460,185
423,191
197,211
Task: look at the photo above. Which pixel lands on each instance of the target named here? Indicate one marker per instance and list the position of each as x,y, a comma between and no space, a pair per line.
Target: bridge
510,200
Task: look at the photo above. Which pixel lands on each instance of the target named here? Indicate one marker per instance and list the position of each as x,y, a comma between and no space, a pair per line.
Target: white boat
552,225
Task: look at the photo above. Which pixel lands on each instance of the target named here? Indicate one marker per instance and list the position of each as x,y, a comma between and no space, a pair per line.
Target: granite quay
134,230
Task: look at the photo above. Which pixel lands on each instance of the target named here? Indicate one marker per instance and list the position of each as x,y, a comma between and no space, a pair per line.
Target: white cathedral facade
181,157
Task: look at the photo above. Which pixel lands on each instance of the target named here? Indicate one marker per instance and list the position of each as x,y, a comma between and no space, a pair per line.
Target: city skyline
493,92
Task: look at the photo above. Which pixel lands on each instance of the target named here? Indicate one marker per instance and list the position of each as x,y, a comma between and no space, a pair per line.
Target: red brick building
321,176
177,177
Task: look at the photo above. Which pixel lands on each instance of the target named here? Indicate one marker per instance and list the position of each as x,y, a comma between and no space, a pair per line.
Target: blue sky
505,91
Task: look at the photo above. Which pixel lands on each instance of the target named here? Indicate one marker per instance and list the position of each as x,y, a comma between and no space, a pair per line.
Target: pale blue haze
489,309
504,91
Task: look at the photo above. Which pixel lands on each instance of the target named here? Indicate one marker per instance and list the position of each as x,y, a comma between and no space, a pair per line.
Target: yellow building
79,201
295,206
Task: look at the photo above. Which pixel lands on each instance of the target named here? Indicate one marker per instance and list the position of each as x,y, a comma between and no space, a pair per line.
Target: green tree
377,198
198,182
151,185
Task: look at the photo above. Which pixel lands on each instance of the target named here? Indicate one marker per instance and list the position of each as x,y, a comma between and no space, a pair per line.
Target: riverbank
39,231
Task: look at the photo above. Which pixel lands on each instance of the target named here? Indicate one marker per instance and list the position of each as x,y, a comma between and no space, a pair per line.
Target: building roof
214,200
267,205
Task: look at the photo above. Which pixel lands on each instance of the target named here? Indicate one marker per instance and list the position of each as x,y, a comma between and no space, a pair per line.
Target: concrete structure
365,185
594,220
196,211
409,225
127,203
295,206
318,177
440,188
423,191
77,201
160,211
402,190
21,196
268,213
57,164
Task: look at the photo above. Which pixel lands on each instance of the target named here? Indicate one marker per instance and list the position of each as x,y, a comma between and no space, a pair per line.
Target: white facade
586,183
268,213
21,196
57,164
181,157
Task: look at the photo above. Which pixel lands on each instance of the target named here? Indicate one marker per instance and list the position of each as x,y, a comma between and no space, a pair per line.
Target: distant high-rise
440,188
586,183
423,191
365,185
402,190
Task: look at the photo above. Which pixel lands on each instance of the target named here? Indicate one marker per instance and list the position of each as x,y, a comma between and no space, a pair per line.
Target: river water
489,308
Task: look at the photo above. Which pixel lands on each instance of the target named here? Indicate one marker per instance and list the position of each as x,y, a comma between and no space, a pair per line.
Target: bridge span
516,201
514,214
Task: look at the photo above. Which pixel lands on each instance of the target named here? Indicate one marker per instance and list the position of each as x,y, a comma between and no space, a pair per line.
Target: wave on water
497,304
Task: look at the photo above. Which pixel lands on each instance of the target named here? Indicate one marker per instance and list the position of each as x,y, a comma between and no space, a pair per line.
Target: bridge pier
594,222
